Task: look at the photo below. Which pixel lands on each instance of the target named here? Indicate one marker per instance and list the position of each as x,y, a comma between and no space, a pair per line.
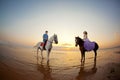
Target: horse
80,42
48,46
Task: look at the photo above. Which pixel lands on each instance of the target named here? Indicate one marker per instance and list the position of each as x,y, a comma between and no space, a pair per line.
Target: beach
18,63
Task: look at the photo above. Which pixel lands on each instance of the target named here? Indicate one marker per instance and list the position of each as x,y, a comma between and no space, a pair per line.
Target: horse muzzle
56,42
76,45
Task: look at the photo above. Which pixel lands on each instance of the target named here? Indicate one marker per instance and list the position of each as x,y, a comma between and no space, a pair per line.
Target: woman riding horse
86,45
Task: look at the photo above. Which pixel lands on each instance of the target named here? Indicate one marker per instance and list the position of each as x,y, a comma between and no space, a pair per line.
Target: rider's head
46,32
85,32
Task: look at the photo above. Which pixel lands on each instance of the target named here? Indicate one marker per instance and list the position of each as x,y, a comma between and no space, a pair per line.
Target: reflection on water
83,73
62,66
44,69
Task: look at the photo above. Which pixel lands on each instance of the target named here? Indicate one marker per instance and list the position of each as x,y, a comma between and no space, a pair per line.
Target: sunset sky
25,21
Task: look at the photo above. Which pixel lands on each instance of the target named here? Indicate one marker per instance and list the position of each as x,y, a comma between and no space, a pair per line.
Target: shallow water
63,65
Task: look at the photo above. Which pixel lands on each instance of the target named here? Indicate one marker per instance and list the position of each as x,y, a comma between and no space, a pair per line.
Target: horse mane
80,40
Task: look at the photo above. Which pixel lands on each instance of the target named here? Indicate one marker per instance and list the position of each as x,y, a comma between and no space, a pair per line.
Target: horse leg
48,53
95,55
84,56
42,54
81,56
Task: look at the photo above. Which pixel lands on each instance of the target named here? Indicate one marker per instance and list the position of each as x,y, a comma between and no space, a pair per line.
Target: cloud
66,45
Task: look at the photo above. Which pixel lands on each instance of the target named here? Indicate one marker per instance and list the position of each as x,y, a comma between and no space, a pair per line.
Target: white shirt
85,38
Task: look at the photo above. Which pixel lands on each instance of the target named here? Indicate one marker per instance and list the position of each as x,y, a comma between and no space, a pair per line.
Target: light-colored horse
48,46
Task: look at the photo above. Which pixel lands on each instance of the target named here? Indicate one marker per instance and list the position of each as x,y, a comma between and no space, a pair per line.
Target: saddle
43,45
89,45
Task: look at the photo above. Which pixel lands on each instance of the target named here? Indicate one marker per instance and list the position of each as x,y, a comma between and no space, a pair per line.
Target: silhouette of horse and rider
86,45
46,44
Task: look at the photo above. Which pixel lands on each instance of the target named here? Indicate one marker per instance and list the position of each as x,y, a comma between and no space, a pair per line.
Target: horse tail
37,45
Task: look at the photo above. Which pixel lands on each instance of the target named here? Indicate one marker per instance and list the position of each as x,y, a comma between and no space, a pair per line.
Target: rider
85,37
87,43
45,38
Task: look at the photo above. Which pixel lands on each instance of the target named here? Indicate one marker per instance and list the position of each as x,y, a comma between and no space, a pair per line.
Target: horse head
78,41
55,39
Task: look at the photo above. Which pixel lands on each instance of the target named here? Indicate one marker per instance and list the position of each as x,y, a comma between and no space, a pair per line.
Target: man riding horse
45,38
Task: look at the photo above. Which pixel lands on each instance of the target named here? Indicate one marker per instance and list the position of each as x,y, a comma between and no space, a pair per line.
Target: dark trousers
44,44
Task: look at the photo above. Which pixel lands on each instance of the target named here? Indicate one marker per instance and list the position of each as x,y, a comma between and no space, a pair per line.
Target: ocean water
63,65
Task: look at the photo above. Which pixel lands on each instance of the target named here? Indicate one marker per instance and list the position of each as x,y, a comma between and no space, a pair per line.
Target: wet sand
23,64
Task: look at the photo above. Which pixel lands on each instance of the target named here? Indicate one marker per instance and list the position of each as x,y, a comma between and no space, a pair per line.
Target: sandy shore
105,68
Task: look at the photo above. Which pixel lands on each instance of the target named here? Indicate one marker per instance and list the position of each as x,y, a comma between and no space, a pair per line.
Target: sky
25,21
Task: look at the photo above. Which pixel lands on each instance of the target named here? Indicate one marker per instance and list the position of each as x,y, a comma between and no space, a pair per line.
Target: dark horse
80,42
